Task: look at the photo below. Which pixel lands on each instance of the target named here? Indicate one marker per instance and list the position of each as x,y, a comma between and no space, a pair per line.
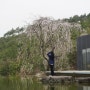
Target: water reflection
32,83
60,87
52,88
84,87
73,86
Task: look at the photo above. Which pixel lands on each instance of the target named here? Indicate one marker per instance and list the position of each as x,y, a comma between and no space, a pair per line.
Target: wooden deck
67,76
74,73
64,79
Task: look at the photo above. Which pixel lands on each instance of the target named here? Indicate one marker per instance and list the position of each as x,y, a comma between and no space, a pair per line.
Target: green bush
9,68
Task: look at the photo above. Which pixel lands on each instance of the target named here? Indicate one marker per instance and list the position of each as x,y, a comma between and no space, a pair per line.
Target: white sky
14,13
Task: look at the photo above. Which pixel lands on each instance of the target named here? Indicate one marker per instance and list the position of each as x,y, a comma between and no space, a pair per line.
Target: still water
32,83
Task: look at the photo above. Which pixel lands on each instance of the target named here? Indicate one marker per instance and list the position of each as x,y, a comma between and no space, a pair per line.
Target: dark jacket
51,57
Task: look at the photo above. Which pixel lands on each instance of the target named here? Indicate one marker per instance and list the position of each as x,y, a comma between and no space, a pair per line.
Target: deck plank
74,73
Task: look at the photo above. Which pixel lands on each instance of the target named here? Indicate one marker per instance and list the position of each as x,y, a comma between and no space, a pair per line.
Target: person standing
51,60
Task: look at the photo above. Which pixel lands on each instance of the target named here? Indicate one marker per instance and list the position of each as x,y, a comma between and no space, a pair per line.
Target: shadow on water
32,83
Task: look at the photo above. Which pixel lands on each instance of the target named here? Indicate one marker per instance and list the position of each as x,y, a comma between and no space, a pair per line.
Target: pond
32,83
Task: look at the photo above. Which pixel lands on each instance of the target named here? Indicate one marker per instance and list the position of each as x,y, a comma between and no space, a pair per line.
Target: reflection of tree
60,87
66,86
52,87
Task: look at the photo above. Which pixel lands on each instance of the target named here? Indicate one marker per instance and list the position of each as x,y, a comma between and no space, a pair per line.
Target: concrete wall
83,52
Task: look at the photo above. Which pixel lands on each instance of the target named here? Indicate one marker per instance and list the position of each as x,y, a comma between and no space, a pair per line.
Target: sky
19,13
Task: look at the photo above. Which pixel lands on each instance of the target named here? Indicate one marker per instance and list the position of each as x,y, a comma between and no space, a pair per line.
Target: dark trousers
52,69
